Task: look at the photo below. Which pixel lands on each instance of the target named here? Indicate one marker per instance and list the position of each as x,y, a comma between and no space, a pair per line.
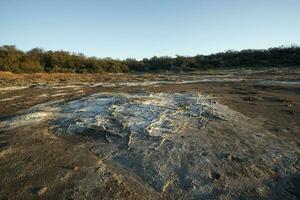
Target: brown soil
37,164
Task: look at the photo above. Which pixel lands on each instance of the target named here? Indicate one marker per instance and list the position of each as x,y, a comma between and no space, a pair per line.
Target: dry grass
11,79
8,78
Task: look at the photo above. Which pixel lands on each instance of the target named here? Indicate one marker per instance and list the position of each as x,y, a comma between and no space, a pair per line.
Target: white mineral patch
65,86
33,115
26,119
59,94
13,88
159,114
153,83
10,98
279,82
43,96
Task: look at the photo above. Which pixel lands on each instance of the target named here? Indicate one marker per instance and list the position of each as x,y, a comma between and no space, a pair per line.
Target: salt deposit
13,88
10,98
59,94
26,119
159,114
154,83
279,82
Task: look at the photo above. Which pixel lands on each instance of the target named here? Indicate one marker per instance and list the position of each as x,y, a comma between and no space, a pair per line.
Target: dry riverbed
216,135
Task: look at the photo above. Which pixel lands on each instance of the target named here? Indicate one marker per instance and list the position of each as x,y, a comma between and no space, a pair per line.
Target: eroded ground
220,135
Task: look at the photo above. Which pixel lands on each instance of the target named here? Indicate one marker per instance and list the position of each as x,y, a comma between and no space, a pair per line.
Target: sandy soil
217,135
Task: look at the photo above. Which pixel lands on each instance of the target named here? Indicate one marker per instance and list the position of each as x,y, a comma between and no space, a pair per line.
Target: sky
145,28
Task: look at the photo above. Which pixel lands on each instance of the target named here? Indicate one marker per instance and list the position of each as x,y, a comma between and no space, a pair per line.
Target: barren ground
216,135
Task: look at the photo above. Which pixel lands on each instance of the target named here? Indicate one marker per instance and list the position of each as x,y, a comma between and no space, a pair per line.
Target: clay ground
38,163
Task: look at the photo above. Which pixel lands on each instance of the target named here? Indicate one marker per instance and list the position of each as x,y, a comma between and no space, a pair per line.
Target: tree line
38,60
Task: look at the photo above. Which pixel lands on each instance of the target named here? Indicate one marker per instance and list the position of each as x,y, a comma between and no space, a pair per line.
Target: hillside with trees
38,60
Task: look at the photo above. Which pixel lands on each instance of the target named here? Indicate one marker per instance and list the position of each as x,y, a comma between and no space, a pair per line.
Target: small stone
204,153
39,190
214,175
42,190
230,157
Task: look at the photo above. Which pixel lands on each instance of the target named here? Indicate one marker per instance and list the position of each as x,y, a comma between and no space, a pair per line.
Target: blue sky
146,28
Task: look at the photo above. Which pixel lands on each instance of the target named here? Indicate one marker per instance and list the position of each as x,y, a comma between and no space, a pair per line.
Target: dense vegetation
38,60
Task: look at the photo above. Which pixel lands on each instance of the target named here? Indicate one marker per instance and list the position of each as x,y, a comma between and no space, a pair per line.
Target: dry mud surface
230,135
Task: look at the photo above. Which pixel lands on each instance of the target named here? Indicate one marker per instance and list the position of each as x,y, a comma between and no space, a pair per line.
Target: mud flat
228,136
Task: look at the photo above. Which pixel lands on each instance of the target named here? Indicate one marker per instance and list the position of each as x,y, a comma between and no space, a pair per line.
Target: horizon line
149,57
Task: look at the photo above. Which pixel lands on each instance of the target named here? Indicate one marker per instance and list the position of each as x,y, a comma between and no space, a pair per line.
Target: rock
232,158
237,159
249,98
214,175
204,153
39,190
